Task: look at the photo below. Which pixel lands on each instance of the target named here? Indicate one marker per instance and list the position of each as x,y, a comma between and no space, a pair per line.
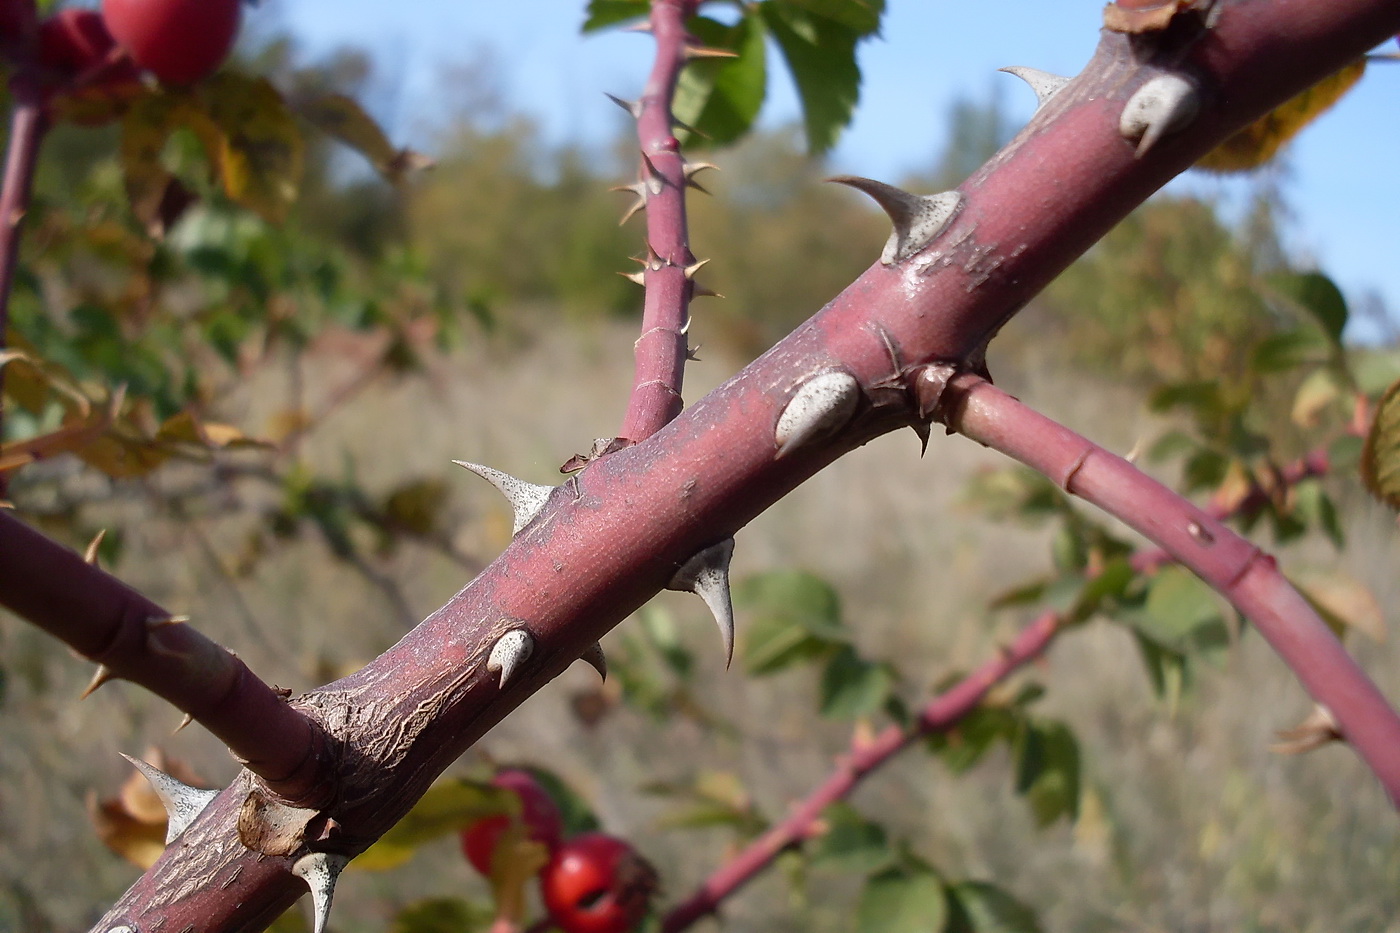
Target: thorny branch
588,556
668,267
1236,568
132,638
939,715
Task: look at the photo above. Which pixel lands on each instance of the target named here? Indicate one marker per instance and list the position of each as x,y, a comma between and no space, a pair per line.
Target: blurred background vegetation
475,312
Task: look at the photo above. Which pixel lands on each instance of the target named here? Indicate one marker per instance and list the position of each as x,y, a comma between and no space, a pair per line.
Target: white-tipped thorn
509,652
181,801
90,554
320,870
526,499
707,576
1043,83
639,277
917,218
99,677
595,659
1163,105
820,406
634,107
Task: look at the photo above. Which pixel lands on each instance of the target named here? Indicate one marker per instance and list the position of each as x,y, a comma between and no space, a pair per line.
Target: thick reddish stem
133,638
661,349
28,123
1239,570
942,713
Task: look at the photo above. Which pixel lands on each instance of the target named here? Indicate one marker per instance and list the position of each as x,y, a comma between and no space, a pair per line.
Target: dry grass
1190,823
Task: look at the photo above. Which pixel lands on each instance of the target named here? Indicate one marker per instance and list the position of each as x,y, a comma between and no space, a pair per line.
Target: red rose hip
597,883
179,41
538,810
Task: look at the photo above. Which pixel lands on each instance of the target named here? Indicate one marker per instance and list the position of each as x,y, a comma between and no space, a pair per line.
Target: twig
668,266
941,714
28,123
1237,569
132,638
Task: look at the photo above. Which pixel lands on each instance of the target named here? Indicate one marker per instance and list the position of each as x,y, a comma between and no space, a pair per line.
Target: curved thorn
181,801
595,658
320,870
922,429
184,721
917,219
1043,83
99,677
509,652
820,406
1162,105
526,499
90,552
707,576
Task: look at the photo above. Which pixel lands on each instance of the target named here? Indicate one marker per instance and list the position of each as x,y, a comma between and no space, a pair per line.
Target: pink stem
134,639
942,713
661,349
28,123
1239,570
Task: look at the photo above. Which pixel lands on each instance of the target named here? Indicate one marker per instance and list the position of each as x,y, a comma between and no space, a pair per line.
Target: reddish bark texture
607,543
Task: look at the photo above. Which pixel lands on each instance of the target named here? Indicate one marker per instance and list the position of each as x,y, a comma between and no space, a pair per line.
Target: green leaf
1047,771
1180,610
440,915
851,845
1320,297
1380,458
861,16
1317,509
660,630
980,907
1167,670
604,13
719,98
574,812
821,53
794,617
902,901
964,745
852,686
1110,585
1290,349
448,806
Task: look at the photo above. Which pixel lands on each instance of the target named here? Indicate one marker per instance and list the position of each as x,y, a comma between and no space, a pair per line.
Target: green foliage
905,899
442,915
1380,460
979,907
719,98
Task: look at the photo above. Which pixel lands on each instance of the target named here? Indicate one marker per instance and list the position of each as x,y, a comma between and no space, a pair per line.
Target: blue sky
1341,185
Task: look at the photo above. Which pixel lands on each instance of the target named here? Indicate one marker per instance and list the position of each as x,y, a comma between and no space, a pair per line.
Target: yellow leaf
340,116
146,129
261,154
1380,458
1257,143
1344,602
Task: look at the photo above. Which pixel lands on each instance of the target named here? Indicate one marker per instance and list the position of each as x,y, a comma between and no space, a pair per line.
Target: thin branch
668,266
939,715
28,123
132,638
1236,568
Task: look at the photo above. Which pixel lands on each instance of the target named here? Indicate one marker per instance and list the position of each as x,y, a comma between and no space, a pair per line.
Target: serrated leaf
448,806
1258,142
261,150
981,907
821,54
342,117
860,16
720,98
852,687
851,845
902,901
1047,771
1320,297
1380,458
604,13
793,617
